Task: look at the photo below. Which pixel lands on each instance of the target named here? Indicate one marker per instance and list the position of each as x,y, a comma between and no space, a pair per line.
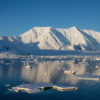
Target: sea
80,72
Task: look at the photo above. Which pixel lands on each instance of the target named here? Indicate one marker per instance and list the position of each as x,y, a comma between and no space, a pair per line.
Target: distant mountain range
48,38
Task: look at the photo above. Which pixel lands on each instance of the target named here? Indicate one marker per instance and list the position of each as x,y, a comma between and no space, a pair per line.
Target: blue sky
18,16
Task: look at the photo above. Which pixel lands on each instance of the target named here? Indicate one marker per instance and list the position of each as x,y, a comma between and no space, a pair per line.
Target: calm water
15,73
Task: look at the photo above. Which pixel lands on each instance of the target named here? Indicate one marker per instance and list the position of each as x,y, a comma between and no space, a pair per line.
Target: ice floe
35,88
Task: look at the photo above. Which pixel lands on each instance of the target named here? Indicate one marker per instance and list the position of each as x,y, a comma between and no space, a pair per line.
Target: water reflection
42,72
47,72
54,72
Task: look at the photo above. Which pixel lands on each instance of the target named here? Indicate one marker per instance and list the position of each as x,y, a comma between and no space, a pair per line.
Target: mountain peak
74,28
42,28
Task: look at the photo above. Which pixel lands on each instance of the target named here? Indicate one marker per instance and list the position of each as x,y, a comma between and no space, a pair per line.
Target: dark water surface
15,73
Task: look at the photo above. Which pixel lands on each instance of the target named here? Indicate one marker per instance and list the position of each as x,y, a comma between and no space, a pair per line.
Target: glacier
51,39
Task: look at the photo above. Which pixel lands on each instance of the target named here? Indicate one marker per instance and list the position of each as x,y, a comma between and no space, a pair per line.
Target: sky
18,16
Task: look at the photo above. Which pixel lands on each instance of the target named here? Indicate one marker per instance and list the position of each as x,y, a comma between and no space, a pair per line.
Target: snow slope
48,38
63,39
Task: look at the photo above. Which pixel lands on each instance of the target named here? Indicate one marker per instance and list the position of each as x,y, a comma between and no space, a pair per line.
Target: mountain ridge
48,38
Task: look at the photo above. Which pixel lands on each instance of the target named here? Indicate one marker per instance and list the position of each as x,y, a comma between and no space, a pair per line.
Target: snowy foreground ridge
48,38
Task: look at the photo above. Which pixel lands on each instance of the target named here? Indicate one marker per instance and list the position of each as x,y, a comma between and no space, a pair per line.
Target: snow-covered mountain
48,38
62,39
